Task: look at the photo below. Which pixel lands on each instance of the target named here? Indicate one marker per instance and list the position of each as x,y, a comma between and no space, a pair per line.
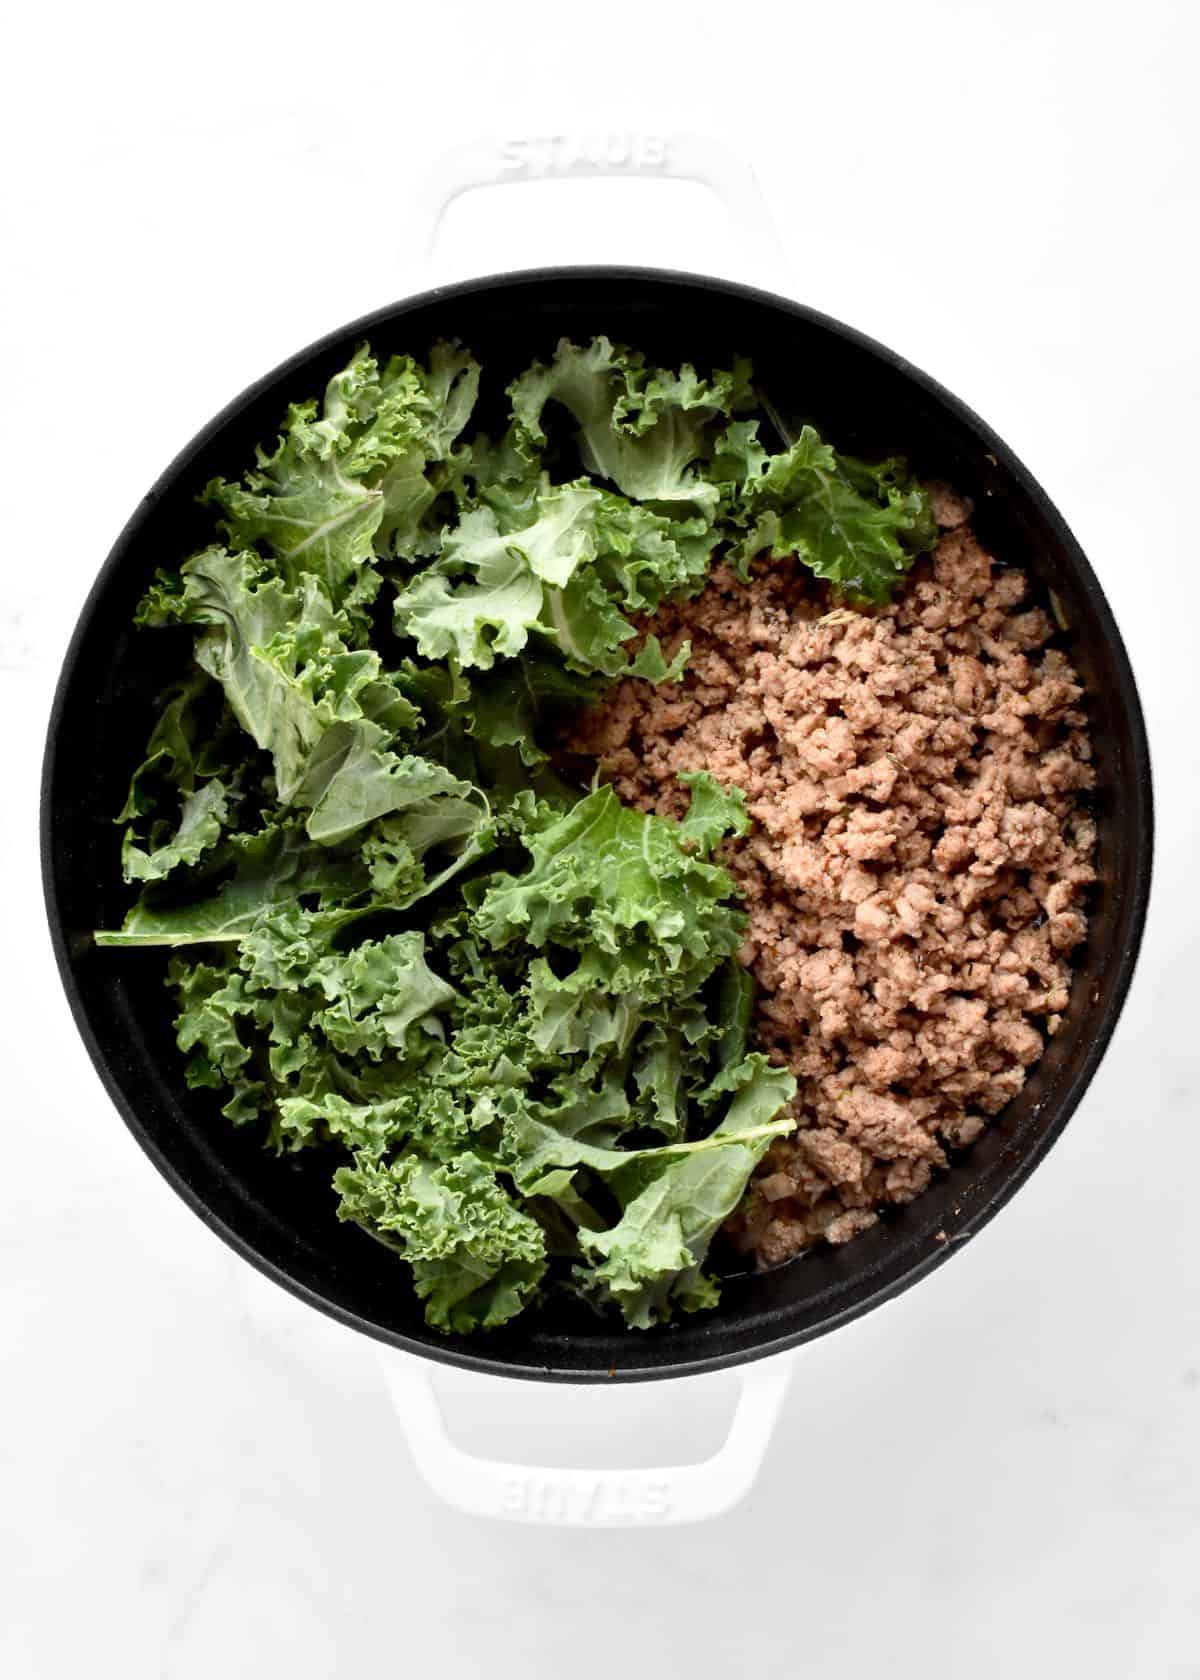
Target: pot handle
495,160
570,1498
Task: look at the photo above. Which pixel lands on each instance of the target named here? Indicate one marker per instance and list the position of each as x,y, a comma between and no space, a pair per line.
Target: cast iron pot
280,1214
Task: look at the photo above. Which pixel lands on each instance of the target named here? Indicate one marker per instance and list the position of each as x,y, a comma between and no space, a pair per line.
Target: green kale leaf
506,1009
858,527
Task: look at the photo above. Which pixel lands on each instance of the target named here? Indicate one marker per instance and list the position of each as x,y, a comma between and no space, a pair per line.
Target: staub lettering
589,1500
582,154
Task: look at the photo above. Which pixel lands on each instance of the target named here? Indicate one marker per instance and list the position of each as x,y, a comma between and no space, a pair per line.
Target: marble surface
1000,1471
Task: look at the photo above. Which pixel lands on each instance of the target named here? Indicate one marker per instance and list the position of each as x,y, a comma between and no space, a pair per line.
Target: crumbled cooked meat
949,508
916,874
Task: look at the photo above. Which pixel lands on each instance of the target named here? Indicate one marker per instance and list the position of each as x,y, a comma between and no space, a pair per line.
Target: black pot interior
280,1214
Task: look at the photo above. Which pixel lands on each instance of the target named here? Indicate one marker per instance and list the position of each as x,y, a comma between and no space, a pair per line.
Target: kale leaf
509,1009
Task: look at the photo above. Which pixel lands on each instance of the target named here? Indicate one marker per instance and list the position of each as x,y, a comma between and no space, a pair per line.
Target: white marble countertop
999,1472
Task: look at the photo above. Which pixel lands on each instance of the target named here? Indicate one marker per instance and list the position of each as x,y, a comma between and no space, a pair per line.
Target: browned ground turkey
918,865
